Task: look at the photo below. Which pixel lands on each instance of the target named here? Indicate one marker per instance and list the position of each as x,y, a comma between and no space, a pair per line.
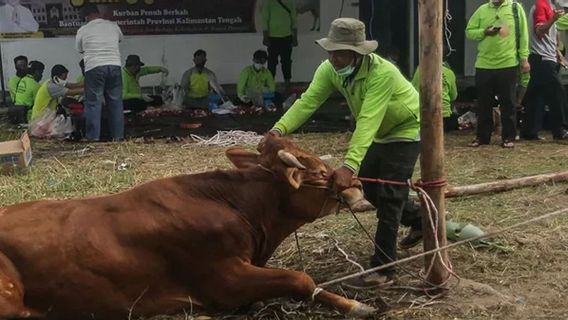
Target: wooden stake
432,130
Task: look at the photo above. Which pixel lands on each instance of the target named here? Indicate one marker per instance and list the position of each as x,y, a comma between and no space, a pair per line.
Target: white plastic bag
52,125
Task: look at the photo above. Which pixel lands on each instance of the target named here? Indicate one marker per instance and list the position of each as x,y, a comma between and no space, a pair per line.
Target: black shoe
412,239
533,137
561,135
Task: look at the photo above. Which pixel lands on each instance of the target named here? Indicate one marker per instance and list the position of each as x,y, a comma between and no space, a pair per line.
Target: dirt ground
526,279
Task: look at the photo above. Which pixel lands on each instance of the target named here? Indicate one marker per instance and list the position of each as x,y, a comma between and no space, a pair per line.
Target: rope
317,291
433,251
299,251
228,138
447,32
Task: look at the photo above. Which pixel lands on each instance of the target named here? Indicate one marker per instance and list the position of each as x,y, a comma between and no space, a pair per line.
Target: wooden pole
432,131
505,185
2,84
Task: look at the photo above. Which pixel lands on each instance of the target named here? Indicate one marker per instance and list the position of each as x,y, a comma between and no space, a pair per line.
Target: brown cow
197,240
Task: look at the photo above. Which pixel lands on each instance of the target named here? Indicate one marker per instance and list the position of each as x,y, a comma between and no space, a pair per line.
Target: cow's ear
295,177
242,158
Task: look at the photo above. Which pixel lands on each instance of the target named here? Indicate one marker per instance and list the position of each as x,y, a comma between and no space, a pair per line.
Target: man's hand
165,71
525,66
558,14
272,133
341,179
491,31
295,41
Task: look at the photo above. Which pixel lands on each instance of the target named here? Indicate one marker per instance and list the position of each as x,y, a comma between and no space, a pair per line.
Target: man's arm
242,84
474,30
523,39
541,24
79,42
270,83
369,120
265,23
453,85
146,70
215,84
319,90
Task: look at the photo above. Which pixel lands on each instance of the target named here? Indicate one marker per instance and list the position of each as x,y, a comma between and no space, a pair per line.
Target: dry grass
534,273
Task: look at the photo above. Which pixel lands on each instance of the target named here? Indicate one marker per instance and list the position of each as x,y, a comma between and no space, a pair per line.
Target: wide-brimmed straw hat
347,34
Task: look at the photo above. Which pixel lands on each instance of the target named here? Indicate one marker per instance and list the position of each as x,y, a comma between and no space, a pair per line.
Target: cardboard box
15,155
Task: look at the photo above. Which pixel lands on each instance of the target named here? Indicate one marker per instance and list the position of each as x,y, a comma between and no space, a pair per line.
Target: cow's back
102,253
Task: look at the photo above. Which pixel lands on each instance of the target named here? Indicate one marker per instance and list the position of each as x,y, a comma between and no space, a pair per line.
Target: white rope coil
229,138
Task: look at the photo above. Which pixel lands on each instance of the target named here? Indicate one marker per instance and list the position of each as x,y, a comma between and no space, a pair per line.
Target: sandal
475,144
508,144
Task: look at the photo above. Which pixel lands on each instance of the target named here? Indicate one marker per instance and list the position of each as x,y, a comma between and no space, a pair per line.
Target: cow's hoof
360,310
362,206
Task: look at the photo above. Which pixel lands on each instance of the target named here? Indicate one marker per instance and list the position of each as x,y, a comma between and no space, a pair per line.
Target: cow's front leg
248,284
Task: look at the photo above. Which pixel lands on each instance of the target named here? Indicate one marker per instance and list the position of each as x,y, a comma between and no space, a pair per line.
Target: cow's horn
290,159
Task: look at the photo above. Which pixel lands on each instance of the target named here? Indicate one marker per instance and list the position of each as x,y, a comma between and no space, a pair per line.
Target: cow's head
306,174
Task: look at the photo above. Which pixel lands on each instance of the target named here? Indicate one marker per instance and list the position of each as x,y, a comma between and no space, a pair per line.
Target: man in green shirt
495,26
449,93
256,83
132,97
198,82
27,89
21,65
385,143
279,25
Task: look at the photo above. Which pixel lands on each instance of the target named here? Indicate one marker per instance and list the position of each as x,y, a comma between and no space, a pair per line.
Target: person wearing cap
280,35
385,143
132,97
198,82
28,87
98,41
256,82
449,93
51,91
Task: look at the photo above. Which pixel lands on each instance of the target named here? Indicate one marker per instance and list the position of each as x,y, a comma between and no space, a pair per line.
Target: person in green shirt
28,87
386,140
449,93
198,82
256,83
498,63
280,34
132,97
17,114
21,65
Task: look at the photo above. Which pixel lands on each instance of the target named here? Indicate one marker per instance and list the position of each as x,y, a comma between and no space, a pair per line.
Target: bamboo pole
432,131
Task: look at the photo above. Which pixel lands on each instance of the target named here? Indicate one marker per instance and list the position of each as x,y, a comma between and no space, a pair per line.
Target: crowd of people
107,85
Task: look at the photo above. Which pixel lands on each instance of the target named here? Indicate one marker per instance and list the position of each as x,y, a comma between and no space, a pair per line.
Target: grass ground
531,278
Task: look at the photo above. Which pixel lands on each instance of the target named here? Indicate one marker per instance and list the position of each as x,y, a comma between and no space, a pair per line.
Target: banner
60,18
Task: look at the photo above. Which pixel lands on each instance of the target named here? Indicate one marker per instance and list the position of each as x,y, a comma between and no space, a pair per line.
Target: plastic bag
52,125
173,97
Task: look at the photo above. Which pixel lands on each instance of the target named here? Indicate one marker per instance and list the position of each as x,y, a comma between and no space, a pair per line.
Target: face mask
258,66
60,82
345,71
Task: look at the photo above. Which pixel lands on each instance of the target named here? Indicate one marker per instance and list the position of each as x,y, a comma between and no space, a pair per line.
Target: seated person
132,96
256,84
449,94
27,90
21,65
51,93
197,83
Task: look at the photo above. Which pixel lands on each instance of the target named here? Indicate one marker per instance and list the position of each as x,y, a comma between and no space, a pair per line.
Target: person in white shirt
15,18
98,41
